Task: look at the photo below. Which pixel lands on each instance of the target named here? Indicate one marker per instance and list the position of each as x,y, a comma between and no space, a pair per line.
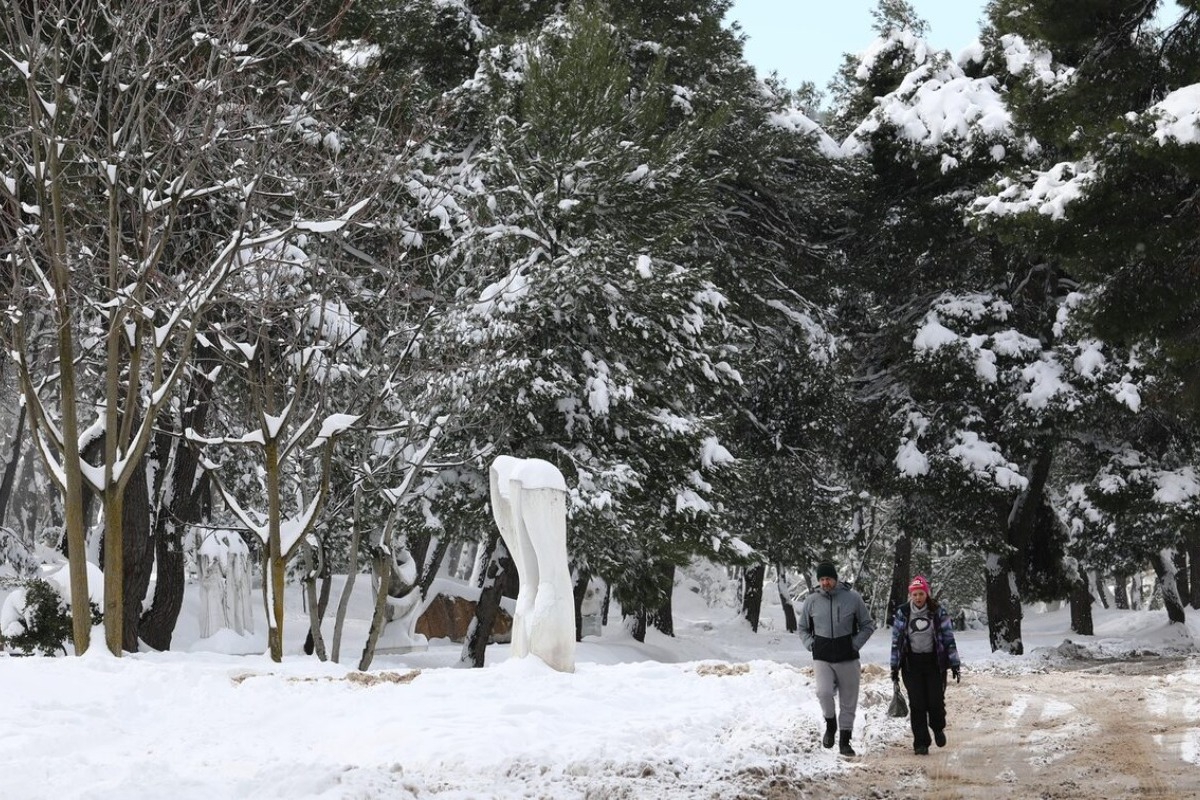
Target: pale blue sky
804,39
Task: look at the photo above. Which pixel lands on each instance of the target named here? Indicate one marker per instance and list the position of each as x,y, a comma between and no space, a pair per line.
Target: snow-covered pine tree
1112,99
782,213
594,337
961,358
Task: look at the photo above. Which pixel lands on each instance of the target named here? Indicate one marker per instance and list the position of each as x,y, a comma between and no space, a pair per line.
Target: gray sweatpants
842,676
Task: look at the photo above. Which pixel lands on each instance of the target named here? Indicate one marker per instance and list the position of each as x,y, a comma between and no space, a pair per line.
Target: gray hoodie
835,625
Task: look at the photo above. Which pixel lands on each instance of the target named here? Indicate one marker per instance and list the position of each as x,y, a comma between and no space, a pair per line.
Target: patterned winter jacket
943,640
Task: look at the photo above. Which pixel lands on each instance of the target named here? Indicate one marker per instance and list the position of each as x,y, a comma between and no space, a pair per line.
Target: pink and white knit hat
919,582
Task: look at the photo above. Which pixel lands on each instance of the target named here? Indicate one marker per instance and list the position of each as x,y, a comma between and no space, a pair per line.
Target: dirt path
1109,731
1112,730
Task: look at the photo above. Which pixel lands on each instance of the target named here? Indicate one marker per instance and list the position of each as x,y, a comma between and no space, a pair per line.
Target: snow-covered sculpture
223,561
529,504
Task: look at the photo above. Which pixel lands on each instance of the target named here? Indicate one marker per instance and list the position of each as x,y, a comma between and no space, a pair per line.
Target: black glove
895,674
957,677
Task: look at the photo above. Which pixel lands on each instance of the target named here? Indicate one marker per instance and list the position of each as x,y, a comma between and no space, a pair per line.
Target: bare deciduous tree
130,187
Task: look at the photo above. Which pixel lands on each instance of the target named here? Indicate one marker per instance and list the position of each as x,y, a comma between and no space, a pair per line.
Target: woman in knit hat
923,649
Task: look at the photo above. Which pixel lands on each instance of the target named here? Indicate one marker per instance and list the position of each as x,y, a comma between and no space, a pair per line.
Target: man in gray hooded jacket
834,625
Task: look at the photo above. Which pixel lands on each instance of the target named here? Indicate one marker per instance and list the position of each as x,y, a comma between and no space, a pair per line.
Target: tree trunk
1182,577
1081,606
417,544
785,599
752,593
274,559
1101,591
662,618
351,574
10,467
605,605
492,584
1164,568
138,544
578,592
901,573
637,628
181,498
383,571
1192,546
314,642
127,547
1005,567
1003,606
1121,590
431,566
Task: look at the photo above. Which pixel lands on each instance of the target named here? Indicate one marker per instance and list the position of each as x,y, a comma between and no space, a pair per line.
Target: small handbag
897,708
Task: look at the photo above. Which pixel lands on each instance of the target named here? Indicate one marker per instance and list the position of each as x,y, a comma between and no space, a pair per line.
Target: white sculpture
224,566
529,504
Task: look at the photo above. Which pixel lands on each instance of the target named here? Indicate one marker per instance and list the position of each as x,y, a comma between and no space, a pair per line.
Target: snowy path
1115,730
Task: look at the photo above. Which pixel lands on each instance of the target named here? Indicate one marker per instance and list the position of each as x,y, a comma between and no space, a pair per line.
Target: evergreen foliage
45,622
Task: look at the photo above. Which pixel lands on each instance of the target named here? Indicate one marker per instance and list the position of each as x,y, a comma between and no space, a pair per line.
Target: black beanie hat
826,569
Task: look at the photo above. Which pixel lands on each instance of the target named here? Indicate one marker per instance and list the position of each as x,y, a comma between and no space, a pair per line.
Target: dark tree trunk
313,642
638,630
1005,569
752,593
431,565
495,575
1164,568
1182,577
578,592
1121,590
1192,546
10,468
662,618
138,549
901,573
785,599
1081,606
182,497
418,545
1100,591
1003,606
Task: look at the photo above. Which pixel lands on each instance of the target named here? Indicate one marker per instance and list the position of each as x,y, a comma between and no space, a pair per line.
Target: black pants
926,685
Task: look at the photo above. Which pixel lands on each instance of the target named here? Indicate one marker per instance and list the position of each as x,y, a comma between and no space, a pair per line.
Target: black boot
830,730
939,738
844,745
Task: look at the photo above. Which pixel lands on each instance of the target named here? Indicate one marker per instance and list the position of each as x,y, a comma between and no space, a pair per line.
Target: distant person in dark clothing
923,649
834,625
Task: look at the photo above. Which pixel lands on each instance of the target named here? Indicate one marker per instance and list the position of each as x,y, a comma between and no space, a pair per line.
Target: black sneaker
921,750
939,738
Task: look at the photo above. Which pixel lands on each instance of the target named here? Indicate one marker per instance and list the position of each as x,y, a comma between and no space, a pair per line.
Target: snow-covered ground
695,716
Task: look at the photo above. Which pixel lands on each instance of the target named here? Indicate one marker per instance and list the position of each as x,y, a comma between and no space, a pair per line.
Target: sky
686,718
805,39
